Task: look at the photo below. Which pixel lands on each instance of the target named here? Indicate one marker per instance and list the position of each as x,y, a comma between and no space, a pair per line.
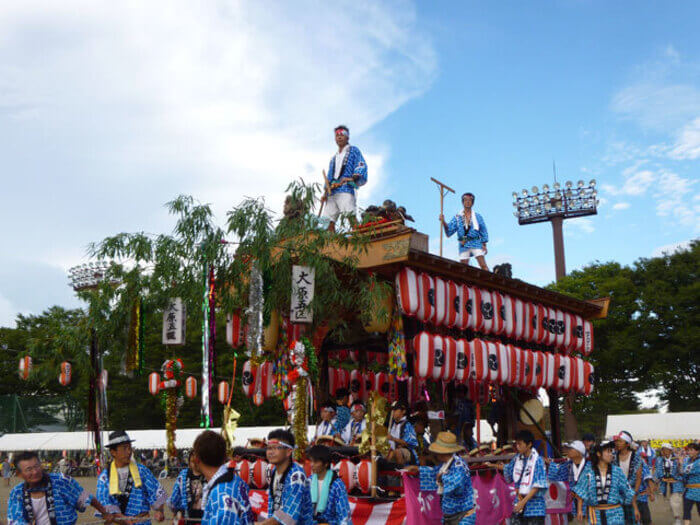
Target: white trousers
339,203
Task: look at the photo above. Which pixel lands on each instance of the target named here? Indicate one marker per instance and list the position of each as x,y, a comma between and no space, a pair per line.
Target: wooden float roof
398,246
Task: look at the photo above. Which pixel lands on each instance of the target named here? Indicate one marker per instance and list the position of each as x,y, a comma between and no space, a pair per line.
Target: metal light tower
554,205
82,278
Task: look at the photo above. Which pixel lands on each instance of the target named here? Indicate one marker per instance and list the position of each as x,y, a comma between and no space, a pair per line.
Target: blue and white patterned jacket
691,476
674,472
295,507
408,434
225,501
337,511
535,506
457,495
471,239
355,165
620,494
149,495
68,496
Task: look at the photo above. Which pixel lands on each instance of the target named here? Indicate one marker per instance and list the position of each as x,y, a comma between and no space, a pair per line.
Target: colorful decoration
407,291
364,475
25,367
134,349
375,418
66,374
302,357
248,378
208,341
170,386
235,329
254,312
397,347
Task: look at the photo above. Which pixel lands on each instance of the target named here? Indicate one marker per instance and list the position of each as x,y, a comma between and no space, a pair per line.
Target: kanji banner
422,506
303,281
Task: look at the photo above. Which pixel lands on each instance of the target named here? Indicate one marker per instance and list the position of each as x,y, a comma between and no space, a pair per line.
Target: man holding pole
471,232
347,172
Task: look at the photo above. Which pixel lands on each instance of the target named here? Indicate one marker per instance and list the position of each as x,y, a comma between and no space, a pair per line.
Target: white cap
579,447
666,445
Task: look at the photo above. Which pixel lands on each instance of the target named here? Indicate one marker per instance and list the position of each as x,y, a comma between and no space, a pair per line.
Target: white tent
669,425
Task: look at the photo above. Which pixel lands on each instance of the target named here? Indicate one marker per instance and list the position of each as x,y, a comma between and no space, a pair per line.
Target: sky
109,110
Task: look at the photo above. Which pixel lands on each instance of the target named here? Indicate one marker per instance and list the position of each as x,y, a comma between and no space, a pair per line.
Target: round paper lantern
527,376
235,335
426,305
191,387
588,378
530,324
154,383
466,318
513,365
518,318
248,378
407,291
551,338
424,352
550,375
587,338
498,313
540,372
414,387
66,374
503,363
569,341
245,471
560,329
449,368
260,474
576,374
485,307
363,476
540,323
461,360
560,371
438,357
494,363
508,314
223,391
478,360
440,309
453,303
268,380
25,367
346,471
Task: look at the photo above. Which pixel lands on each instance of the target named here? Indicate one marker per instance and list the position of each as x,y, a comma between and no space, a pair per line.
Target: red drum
462,360
494,363
153,383
346,471
363,476
540,324
588,378
235,335
260,474
450,367
440,302
426,304
454,303
223,391
478,360
498,313
245,470
407,291
191,387
587,338
485,306
424,351
248,378
518,319
540,373
439,357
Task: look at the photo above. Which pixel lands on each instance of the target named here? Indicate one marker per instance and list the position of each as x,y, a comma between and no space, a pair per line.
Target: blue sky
107,112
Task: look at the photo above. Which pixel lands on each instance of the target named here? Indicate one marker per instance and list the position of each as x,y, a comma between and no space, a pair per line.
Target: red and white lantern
191,387
66,374
267,380
587,338
235,332
439,360
588,378
426,306
25,367
478,360
560,329
568,342
245,471
248,378
499,321
382,385
346,472
424,351
508,313
154,383
450,367
530,324
540,372
440,297
223,392
503,363
369,384
486,311
453,302
461,360
513,365
540,325
260,474
363,476
494,363
414,387
407,291
518,318
550,375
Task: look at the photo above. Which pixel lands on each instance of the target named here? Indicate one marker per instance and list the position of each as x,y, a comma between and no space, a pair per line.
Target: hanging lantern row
445,303
64,378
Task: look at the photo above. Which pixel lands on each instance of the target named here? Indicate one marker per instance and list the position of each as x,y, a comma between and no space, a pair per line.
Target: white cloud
8,313
668,249
579,225
673,200
621,205
634,183
657,105
687,145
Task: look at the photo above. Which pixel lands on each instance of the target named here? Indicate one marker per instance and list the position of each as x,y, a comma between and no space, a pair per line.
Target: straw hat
534,408
446,443
331,439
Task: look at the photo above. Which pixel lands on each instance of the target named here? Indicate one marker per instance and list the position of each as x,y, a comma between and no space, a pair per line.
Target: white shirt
123,474
348,433
625,465
41,511
326,428
395,431
339,161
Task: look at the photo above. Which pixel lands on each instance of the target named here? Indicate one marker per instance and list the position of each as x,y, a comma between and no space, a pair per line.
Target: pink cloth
494,499
422,506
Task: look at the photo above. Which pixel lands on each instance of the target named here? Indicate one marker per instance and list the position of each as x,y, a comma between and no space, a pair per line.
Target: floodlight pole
558,235
444,188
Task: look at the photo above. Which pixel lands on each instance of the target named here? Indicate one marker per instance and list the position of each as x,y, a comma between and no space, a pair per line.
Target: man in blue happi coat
667,473
526,471
347,172
289,497
570,470
402,436
127,487
225,495
186,498
471,232
637,474
329,495
47,499
451,480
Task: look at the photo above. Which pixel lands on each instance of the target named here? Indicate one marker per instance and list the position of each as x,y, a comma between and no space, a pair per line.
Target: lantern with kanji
66,374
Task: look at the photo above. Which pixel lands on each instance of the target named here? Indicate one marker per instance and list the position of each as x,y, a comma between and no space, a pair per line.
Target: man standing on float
471,232
346,172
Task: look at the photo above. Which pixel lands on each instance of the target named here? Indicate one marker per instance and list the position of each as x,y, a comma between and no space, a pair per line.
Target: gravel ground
660,510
